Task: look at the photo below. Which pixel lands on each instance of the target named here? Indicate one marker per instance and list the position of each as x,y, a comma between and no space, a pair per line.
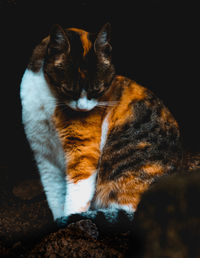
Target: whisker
101,106
107,103
61,104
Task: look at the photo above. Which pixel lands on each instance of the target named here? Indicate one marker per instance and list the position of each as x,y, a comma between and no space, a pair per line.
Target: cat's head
78,66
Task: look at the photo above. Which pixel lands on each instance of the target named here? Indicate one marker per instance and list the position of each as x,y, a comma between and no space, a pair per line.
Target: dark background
154,43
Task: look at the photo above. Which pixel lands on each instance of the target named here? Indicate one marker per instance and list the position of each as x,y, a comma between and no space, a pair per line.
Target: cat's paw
62,222
75,217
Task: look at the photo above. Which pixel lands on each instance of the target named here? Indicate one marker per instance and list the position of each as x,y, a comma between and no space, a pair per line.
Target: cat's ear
103,38
58,40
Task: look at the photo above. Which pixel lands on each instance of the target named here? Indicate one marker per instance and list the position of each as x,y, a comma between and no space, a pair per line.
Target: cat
99,139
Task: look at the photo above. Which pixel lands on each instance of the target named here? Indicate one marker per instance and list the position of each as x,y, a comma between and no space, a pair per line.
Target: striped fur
117,137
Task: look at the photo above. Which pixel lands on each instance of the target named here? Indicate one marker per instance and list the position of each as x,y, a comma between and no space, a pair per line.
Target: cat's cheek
72,105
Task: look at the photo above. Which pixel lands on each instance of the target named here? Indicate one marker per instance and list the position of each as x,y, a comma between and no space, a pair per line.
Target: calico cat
99,139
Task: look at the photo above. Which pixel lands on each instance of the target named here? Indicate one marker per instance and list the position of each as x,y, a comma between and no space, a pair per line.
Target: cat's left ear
103,38
58,40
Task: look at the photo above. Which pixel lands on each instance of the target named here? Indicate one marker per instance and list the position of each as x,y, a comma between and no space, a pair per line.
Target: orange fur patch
167,118
142,145
127,189
153,168
84,39
80,137
82,74
123,111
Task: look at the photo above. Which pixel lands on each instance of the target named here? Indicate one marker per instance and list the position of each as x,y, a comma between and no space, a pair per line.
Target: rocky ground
24,214
26,224
167,223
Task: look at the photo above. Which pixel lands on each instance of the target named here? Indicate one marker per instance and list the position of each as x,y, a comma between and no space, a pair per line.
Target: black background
154,43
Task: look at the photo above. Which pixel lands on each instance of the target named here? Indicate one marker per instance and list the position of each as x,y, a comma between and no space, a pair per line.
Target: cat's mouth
82,106
81,109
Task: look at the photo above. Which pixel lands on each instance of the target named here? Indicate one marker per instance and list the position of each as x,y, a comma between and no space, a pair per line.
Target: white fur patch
83,103
110,214
38,105
104,132
127,208
79,195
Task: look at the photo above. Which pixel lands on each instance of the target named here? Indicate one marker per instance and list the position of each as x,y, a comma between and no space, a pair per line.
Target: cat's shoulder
132,89
126,82
143,100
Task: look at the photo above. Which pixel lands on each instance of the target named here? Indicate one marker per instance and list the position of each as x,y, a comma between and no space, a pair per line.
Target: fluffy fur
99,139
38,107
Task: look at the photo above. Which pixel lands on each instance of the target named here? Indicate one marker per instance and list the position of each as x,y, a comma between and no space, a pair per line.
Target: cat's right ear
103,38
58,40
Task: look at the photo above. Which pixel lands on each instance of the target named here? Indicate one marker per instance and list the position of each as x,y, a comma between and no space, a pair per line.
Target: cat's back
142,134
138,105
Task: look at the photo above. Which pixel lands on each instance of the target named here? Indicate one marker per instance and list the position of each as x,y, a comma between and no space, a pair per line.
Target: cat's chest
79,129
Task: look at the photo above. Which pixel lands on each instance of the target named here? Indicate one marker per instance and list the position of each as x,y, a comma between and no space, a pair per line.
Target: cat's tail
107,220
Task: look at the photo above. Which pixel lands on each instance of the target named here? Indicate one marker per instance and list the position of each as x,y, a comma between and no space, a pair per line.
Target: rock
80,239
167,221
84,228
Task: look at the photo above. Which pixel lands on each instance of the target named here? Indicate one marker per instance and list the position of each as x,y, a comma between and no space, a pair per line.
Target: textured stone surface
80,239
27,228
167,222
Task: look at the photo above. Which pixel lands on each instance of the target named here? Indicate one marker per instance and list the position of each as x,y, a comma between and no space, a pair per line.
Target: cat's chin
81,109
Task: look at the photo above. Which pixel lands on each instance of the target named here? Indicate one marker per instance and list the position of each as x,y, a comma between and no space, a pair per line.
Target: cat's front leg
79,194
54,184
81,144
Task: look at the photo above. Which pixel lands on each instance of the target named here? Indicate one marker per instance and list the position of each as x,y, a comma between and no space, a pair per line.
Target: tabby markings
167,118
124,112
125,191
153,168
81,142
142,145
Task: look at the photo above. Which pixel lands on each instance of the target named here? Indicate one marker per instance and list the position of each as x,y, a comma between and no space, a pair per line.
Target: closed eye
95,94
59,68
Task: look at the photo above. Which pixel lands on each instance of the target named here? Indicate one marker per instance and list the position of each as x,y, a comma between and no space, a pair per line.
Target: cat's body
99,139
